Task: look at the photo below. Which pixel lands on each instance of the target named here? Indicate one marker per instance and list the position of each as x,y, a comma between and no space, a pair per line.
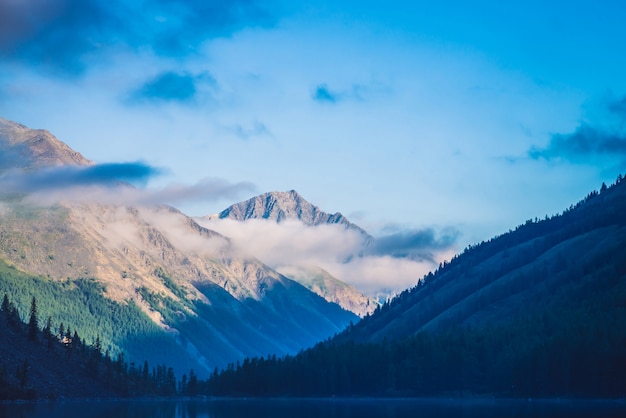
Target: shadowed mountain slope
495,280
535,312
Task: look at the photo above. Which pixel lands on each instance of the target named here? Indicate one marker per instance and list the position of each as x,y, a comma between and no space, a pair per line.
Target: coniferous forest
536,312
54,361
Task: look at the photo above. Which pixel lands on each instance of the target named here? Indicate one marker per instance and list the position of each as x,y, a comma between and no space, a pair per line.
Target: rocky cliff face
25,148
330,288
280,206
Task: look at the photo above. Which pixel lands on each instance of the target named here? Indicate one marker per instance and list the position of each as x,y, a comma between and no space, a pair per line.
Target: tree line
567,339
86,362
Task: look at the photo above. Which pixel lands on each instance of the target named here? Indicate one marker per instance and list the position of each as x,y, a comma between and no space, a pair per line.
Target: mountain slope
535,312
330,288
25,148
217,305
500,278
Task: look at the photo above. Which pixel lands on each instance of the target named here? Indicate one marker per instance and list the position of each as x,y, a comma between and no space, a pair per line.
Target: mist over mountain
535,312
299,220
209,303
296,237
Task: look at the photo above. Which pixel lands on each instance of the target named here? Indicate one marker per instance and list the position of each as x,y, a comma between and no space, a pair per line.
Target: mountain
150,282
291,206
539,262
25,148
332,289
281,206
535,312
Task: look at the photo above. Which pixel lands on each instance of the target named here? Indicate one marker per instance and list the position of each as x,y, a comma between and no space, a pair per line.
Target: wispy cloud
205,190
415,244
65,36
324,94
58,35
56,178
247,132
113,184
586,141
389,266
589,140
618,107
171,86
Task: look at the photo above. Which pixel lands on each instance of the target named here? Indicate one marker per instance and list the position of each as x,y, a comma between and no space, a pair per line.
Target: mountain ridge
281,206
25,148
217,304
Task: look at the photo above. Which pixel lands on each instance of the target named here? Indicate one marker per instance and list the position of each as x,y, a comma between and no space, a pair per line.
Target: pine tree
22,374
98,346
47,332
5,303
33,323
192,385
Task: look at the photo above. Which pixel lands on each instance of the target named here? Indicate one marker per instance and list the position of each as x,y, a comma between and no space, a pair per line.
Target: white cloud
205,190
332,247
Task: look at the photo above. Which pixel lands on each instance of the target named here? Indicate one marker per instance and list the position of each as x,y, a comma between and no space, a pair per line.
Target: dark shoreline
357,399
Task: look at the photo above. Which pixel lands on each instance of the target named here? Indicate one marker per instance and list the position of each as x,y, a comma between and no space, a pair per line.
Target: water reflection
361,408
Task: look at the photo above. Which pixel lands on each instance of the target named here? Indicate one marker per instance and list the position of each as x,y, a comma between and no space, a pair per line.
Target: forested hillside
538,311
39,360
80,305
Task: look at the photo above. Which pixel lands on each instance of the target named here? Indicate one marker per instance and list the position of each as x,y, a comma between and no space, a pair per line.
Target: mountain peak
282,206
22,147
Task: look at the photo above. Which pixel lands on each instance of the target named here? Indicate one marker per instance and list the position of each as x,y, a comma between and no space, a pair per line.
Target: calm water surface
339,408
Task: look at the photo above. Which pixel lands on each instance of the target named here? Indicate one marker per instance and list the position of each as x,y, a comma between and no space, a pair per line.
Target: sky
433,123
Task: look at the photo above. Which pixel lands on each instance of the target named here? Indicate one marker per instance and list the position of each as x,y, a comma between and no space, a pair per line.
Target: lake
315,408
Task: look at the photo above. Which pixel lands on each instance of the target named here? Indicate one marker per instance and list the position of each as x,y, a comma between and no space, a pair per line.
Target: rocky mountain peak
281,206
22,147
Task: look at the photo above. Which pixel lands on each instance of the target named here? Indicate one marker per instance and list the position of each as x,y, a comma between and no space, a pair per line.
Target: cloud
290,242
415,244
589,140
585,141
255,130
112,184
338,250
63,36
381,276
56,34
56,178
171,86
356,92
323,94
205,190
177,229
618,107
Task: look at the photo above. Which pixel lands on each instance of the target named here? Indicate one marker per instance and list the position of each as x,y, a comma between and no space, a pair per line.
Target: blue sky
440,119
